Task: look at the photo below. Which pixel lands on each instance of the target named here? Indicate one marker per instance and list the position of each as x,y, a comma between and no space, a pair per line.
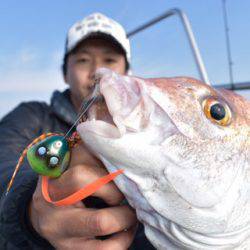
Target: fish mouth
99,121
121,106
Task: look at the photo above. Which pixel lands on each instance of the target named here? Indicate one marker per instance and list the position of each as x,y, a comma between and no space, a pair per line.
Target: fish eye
42,151
217,111
53,161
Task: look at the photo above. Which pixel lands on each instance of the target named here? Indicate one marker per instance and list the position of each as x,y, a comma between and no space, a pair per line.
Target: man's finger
79,176
91,223
119,241
122,240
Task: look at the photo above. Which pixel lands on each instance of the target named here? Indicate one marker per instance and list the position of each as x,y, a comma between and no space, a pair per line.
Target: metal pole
229,57
189,32
238,86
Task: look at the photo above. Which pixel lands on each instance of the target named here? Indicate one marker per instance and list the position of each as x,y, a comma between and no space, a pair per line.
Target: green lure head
50,156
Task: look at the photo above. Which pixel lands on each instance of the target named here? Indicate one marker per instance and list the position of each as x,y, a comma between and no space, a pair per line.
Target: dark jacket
17,130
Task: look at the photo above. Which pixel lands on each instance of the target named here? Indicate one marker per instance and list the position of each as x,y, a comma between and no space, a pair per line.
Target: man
104,221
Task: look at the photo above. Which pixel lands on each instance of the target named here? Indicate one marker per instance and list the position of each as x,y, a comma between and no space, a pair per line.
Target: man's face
92,54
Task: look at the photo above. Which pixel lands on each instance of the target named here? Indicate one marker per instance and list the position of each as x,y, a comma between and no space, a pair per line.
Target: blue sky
33,36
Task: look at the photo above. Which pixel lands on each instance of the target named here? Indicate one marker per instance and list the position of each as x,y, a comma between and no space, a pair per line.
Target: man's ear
64,69
65,78
64,74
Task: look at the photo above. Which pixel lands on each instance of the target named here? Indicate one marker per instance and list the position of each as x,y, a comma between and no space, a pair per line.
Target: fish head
183,145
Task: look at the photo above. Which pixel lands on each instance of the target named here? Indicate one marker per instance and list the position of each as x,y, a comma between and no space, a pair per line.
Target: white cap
97,23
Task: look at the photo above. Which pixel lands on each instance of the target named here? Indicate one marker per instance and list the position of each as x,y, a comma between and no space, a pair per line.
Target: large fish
184,148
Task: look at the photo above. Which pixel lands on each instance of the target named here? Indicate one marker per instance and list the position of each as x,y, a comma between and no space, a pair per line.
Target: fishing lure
49,156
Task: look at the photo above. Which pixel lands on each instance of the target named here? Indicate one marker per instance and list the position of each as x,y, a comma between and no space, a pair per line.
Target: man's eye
110,60
83,60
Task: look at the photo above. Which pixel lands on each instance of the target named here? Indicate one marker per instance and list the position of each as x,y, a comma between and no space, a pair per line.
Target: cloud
27,56
32,81
28,75
29,71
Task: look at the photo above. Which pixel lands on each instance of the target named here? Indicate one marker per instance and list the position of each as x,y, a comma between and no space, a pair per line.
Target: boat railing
189,32
193,45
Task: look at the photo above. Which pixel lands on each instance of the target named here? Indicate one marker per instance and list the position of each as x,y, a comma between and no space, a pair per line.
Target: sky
33,37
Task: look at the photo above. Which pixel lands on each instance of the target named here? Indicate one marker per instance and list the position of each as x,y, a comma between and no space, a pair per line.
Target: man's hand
76,226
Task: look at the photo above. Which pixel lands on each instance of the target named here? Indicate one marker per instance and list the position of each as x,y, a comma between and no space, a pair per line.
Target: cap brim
100,35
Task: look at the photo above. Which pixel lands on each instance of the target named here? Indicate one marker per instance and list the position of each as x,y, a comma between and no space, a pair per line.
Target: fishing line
86,105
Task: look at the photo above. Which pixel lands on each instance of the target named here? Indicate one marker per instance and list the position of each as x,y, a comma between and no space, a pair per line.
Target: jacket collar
63,107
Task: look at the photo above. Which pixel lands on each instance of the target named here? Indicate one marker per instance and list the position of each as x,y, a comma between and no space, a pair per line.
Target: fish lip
100,128
105,126
108,129
116,129
96,99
